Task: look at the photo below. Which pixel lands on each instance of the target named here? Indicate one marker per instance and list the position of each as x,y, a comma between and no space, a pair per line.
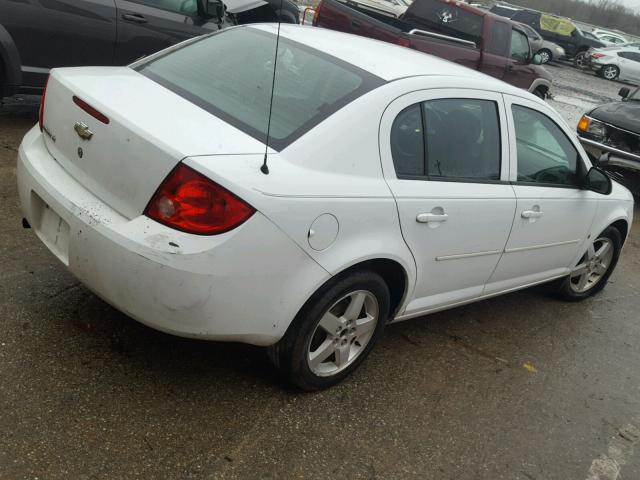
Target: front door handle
134,17
431,218
531,214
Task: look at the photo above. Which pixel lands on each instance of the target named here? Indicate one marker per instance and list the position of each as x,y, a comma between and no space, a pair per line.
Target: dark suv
575,42
37,35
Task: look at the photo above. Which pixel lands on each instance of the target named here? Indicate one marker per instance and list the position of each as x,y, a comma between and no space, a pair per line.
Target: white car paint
626,58
248,284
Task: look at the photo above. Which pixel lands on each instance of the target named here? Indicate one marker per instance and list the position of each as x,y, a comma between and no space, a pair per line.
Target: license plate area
50,228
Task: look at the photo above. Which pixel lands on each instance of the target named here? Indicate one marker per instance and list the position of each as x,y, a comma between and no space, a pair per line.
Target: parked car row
558,30
456,31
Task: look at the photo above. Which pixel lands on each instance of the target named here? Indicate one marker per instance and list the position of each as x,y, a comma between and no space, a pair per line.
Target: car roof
384,60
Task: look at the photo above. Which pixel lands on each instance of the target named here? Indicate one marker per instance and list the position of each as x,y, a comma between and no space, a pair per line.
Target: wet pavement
522,386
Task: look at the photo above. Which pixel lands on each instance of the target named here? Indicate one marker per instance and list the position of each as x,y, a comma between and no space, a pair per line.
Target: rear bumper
245,285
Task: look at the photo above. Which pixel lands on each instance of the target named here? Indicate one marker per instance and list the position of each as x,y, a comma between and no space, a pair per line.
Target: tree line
604,13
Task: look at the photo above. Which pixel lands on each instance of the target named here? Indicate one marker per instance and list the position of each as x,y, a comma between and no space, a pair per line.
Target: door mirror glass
624,92
598,181
537,59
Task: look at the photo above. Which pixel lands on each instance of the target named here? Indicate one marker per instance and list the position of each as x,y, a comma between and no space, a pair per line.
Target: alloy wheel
544,56
580,60
610,72
592,266
343,333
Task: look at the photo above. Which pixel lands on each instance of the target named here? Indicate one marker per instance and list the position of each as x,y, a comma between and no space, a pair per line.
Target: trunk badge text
83,131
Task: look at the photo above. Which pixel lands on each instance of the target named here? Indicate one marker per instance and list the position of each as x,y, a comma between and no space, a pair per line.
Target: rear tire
591,273
580,60
610,72
334,332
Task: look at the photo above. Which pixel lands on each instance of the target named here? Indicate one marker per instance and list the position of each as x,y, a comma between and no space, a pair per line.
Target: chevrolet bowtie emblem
83,131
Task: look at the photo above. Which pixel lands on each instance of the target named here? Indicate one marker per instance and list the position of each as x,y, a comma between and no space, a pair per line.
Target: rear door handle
134,17
431,218
531,214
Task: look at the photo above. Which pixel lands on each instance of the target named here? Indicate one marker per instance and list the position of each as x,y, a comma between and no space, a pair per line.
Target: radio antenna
265,168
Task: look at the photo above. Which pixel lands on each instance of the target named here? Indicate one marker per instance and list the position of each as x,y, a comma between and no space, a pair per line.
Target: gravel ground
575,92
521,387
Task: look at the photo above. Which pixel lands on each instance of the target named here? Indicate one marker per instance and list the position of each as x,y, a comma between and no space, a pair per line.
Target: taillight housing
190,202
597,55
41,111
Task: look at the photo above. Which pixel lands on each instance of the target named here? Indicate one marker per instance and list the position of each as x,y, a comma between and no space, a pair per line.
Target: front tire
593,270
334,331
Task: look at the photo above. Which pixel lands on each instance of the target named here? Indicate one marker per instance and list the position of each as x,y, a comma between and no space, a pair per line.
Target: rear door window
454,139
230,74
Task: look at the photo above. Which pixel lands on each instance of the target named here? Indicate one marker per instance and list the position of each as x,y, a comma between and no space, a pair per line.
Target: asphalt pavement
520,387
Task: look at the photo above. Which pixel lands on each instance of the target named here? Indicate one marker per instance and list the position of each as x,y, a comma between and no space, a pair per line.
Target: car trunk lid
149,131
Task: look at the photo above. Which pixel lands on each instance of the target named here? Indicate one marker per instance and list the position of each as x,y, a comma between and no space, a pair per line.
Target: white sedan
398,184
617,63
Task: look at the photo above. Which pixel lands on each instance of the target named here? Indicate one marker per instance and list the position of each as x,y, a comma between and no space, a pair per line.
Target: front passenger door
147,26
446,164
554,213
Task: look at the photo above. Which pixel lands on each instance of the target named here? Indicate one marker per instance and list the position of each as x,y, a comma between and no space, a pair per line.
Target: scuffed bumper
245,285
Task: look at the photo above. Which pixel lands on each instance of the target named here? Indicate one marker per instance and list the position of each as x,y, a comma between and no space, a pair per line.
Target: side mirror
211,9
624,92
537,59
598,181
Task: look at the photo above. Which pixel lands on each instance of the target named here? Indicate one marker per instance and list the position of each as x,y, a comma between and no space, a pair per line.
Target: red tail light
190,202
41,111
316,14
597,55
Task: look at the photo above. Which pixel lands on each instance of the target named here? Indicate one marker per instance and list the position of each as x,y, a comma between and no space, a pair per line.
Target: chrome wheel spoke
355,307
342,354
583,280
600,268
321,353
581,269
330,323
365,326
604,248
591,251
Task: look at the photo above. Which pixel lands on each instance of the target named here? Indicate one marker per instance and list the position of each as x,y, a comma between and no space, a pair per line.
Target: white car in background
617,63
609,38
149,183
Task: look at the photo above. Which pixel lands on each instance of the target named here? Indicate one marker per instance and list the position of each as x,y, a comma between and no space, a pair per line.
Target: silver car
617,63
547,50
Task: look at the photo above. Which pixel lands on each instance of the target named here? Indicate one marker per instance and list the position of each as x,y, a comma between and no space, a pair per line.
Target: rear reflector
190,202
90,110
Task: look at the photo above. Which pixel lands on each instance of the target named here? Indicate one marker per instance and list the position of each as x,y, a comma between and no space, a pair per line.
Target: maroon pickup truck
449,29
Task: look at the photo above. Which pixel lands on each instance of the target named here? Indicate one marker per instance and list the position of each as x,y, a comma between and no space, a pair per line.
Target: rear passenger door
554,213
630,65
60,33
147,26
444,159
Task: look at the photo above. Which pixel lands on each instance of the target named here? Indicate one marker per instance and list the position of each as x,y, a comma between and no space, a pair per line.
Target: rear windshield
230,74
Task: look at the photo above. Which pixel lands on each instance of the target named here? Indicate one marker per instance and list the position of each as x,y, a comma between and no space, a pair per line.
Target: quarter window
448,139
545,154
